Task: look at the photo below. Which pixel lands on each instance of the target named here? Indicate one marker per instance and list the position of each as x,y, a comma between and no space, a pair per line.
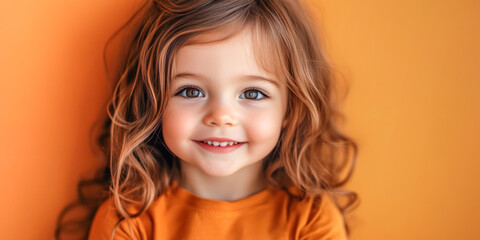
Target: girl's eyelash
259,90
183,88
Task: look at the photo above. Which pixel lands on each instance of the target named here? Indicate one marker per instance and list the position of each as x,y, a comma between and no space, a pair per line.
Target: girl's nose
220,116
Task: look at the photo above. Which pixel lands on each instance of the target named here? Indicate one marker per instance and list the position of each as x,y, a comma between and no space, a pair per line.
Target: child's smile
224,113
219,145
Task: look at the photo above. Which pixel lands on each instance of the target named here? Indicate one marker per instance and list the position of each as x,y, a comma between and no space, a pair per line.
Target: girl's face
224,113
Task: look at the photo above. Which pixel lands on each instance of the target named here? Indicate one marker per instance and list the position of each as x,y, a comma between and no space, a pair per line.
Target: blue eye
253,94
190,92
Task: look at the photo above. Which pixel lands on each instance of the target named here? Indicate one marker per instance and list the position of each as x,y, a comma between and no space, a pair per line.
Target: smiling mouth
219,145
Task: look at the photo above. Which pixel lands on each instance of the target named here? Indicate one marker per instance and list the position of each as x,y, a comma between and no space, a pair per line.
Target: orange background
413,107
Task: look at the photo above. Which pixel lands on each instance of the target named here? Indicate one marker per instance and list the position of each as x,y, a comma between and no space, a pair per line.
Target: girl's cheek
263,128
178,124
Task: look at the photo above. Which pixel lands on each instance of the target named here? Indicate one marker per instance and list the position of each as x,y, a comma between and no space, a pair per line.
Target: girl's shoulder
324,219
107,219
318,216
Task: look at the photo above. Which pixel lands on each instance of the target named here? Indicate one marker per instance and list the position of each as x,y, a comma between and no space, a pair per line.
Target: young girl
223,126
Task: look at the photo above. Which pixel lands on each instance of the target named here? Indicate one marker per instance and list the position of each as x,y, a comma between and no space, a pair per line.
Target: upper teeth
221,144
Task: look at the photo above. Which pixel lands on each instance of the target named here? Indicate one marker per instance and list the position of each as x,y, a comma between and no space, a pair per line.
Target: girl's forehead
222,54
229,56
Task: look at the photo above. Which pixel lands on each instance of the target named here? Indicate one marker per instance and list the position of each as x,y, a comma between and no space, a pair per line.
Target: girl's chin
219,171
211,169
221,167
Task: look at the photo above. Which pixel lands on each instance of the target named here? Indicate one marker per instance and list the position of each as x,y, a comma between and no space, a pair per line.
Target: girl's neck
241,184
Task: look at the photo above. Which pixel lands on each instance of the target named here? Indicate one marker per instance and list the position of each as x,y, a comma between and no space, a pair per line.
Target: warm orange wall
413,108
52,88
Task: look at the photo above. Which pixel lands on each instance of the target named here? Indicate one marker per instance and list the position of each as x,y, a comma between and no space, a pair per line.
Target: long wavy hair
312,154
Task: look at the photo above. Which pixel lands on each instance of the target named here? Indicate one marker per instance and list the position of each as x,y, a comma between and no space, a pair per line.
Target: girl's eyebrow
244,77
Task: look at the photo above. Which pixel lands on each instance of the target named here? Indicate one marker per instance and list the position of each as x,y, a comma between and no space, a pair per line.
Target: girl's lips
218,140
219,149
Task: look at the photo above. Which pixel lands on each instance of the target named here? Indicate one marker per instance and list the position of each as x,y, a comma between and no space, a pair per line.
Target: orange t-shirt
269,214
